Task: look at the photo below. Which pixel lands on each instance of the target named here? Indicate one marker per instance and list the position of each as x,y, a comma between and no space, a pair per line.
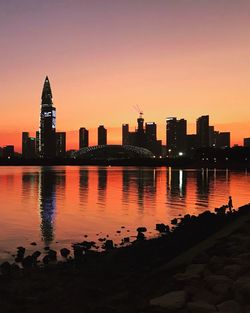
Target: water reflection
102,185
176,185
83,186
47,202
29,184
140,183
129,196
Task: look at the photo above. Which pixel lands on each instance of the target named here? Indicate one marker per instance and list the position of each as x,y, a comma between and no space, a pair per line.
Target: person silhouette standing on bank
230,204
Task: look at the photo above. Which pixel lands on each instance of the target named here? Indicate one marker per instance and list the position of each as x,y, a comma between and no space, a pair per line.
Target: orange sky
181,58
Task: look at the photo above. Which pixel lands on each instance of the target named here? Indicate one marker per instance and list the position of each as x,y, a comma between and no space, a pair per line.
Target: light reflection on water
59,205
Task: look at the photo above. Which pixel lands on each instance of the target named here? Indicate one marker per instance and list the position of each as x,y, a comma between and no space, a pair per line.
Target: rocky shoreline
201,264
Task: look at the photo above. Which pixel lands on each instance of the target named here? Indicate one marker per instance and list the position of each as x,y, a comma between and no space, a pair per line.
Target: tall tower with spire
47,138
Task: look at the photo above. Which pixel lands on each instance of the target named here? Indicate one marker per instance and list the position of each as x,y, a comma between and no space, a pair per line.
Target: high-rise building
152,143
176,134
47,142
143,137
60,144
223,140
8,152
191,144
83,138
246,142
25,140
102,135
125,134
37,143
202,131
28,146
212,136
151,131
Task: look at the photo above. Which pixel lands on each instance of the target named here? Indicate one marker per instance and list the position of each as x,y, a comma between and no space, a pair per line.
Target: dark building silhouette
60,144
8,152
102,135
47,142
176,134
218,139
222,140
37,143
191,144
202,131
246,142
28,146
144,137
125,134
212,136
152,143
83,138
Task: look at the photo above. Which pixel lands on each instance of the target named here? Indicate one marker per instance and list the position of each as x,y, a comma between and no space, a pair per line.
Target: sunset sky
181,58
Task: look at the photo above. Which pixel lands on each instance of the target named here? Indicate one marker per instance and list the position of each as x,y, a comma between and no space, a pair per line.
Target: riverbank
131,279
148,162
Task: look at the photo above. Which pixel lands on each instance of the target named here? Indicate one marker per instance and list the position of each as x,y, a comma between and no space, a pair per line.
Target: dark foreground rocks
187,270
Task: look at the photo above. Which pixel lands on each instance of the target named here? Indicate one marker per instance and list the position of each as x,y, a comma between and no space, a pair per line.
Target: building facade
102,135
144,136
83,138
60,144
47,133
28,146
176,135
202,131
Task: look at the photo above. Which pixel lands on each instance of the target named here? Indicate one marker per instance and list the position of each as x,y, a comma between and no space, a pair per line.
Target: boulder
162,228
52,254
140,236
28,262
108,245
233,270
229,306
201,307
220,284
64,252
192,271
242,289
5,268
35,255
46,259
20,254
141,229
174,300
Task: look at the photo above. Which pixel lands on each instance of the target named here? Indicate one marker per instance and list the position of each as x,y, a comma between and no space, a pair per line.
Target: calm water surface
59,205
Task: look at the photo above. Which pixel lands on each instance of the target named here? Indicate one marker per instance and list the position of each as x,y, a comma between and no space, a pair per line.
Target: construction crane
138,109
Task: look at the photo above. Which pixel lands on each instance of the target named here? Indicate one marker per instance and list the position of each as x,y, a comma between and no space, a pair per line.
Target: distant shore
120,279
155,162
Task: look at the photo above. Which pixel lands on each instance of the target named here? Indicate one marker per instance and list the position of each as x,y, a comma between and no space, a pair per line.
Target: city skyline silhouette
182,59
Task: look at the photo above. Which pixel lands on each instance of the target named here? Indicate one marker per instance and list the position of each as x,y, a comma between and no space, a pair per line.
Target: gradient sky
181,58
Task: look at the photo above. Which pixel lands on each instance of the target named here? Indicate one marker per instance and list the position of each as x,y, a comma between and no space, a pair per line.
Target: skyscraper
223,140
47,140
202,131
60,144
25,139
125,134
102,135
152,143
28,146
176,134
83,138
